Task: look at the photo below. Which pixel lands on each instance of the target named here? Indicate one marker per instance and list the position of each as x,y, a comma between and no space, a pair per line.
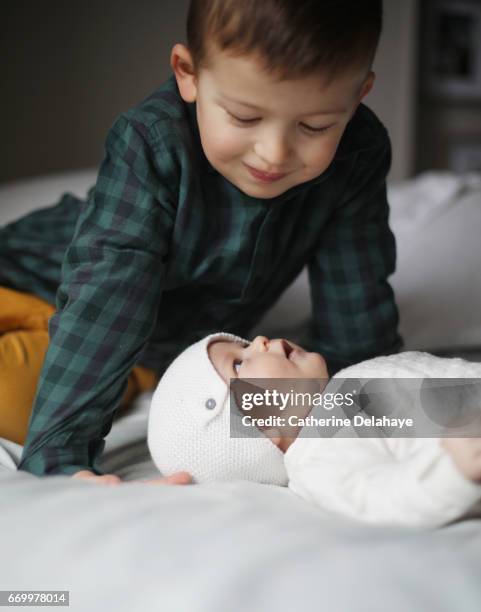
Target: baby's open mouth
286,347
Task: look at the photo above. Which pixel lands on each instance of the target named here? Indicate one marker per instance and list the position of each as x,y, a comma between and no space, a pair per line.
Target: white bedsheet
214,548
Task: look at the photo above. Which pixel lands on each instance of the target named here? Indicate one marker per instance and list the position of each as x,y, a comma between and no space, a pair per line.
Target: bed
241,546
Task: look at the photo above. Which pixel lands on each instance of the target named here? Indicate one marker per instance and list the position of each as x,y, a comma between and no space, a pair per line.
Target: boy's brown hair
294,38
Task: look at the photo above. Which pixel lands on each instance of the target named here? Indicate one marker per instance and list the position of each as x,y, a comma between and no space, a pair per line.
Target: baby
411,481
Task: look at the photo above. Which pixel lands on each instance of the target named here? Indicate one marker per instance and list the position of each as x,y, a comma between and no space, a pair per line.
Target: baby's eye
237,365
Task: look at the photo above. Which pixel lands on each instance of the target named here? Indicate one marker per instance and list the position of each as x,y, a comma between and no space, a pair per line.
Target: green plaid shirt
165,250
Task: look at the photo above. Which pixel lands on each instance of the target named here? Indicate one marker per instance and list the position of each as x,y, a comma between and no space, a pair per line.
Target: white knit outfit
403,481
189,425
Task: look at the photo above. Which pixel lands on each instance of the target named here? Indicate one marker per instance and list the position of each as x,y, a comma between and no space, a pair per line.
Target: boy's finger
179,478
104,479
109,479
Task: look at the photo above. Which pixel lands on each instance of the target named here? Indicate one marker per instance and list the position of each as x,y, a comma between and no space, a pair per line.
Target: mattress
232,546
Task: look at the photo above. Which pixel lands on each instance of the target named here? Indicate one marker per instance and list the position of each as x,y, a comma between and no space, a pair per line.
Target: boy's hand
178,478
105,479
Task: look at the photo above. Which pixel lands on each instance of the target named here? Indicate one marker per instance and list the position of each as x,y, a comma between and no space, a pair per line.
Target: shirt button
210,403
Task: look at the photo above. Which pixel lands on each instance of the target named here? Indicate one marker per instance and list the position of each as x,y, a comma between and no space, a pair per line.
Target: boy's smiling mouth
263,176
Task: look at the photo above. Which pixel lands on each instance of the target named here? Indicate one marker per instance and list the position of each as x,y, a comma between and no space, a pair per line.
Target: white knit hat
189,426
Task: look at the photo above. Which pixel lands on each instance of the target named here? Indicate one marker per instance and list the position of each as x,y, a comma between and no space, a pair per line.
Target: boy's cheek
336,139
219,137
221,145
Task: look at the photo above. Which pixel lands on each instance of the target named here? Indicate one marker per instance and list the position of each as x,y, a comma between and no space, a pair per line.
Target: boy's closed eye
247,122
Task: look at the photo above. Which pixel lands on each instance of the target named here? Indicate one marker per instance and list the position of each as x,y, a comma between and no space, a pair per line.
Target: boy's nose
274,152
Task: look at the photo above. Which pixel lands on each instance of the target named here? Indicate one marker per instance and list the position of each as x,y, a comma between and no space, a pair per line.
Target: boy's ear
364,90
183,67
367,85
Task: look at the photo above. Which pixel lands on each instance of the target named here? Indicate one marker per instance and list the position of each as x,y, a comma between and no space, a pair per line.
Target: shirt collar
192,113
358,135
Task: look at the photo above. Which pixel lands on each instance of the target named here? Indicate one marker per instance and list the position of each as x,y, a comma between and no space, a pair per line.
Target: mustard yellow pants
23,344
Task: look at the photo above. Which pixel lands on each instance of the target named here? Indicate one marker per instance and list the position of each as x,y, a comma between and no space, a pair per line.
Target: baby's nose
261,343
279,345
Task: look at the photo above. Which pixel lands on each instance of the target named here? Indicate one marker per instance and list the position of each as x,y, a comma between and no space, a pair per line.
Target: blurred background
71,67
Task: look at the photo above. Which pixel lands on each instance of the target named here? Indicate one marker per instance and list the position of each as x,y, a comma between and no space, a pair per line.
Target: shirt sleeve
354,315
110,291
361,479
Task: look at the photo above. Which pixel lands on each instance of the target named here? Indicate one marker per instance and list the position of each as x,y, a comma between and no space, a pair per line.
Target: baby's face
248,119
264,358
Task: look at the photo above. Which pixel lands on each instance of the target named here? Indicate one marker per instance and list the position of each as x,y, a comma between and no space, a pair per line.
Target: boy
193,426
185,233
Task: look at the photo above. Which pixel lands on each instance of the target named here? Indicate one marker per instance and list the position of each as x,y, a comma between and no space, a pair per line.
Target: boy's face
275,137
